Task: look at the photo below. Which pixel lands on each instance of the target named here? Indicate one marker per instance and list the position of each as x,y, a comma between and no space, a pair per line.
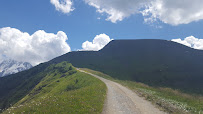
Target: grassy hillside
16,86
157,63
172,101
63,90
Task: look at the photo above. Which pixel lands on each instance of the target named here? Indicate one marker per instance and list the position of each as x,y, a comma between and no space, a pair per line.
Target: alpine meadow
101,57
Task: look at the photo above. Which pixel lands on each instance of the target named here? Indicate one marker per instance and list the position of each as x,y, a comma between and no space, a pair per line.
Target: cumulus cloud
172,12
191,41
117,10
65,6
98,43
36,48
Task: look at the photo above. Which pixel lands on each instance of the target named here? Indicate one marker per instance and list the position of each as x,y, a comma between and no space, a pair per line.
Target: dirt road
121,100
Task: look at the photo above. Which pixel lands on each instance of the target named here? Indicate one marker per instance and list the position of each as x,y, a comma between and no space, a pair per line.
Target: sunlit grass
61,92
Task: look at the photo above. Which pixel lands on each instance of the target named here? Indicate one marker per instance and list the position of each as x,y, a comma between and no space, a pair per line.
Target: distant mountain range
9,66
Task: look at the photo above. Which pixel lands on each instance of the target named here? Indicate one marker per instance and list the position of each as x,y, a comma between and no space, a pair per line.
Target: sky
36,31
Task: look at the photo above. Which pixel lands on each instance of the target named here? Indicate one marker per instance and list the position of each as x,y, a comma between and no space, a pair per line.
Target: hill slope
15,87
154,62
63,90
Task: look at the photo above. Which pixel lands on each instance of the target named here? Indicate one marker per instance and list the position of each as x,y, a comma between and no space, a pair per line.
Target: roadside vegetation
63,90
166,99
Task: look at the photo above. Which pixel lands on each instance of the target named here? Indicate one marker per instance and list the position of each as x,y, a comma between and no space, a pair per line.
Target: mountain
159,63
9,66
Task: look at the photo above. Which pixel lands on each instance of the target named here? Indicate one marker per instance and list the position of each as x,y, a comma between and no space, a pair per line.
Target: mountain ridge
159,63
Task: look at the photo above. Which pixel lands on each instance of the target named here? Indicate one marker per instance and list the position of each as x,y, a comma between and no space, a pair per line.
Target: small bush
72,87
62,76
76,81
70,68
72,72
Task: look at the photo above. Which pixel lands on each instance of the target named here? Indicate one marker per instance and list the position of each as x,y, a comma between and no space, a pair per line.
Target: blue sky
83,24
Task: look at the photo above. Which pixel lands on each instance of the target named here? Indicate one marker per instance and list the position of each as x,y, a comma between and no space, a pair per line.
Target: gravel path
121,100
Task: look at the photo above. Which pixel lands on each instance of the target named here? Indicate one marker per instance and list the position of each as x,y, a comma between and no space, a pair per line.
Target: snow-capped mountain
8,67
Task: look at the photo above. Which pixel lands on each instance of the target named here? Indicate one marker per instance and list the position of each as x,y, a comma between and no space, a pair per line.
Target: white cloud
36,48
98,43
172,12
117,10
191,41
65,6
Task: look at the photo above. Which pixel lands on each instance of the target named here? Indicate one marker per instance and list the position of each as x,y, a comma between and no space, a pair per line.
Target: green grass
167,99
63,90
16,86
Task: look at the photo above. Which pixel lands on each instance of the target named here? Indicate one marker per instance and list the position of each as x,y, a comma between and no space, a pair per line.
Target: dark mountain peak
144,44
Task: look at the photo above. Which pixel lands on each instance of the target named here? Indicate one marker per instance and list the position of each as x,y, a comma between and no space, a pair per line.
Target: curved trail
121,100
